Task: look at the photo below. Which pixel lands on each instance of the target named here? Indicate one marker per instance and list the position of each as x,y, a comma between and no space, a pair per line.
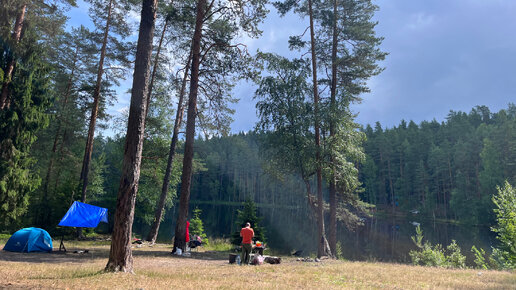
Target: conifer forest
315,179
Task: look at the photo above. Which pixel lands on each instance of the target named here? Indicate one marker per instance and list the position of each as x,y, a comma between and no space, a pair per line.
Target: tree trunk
333,93
158,213
83,179
120,255
156,61
56,138
320,201
186,178
391,187
18,25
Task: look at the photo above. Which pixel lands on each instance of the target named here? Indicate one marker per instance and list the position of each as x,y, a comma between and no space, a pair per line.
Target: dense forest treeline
446,170
307,165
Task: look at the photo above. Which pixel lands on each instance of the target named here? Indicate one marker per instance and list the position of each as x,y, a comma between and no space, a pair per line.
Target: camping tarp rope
84,216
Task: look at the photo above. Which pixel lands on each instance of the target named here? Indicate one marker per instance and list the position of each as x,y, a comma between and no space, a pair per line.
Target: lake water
379,239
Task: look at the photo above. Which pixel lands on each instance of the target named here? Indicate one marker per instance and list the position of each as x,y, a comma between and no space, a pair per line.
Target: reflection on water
389,239
380,239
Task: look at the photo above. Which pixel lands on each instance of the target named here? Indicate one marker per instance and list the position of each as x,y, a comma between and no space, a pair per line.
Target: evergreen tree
29,100
248,215
505,210
197,226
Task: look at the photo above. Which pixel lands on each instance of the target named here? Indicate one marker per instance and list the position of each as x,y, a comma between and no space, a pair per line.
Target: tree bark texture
120,255
333,94
186,178
158,213
320,201
18,25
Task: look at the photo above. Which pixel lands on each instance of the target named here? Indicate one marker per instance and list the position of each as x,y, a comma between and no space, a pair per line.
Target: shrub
197,227
435,256
455,258
505,202
338,250
480,259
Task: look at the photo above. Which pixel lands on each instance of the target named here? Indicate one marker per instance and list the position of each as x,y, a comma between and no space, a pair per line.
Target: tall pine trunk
83,180
158,213
320,202
186,178
46,183
156,61
333,93
120,255
18,25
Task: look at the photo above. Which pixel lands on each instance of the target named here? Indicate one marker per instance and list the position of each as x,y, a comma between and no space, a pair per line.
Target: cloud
420,20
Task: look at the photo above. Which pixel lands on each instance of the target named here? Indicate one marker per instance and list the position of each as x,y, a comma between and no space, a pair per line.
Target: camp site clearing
156,268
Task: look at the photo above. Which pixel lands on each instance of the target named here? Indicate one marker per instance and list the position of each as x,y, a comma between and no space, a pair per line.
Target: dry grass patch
156,269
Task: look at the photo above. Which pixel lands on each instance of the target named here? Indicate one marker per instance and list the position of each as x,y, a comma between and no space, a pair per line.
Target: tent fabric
29,240
84,215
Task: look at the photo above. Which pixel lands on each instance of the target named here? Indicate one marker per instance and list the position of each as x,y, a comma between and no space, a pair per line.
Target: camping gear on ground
82,215
257,260
272,260
137,241
178,252
259,248
29,240
195,242
297,253
233,258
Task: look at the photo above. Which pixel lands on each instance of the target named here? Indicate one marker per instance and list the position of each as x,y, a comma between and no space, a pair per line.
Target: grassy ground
155,268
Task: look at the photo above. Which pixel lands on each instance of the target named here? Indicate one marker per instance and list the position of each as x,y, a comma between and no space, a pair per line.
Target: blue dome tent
29,240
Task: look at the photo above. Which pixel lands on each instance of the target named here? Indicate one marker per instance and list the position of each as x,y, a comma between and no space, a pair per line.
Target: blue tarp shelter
29,240
84,216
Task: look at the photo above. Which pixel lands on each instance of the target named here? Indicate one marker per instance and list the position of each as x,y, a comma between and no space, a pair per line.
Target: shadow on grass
53,257
69,275
103,253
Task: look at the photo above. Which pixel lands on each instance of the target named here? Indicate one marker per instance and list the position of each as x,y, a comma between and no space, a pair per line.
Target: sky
443,55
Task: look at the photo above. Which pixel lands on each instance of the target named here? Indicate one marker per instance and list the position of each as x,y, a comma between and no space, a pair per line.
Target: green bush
338,250
197,227
480,259
505,202
435,256
455,258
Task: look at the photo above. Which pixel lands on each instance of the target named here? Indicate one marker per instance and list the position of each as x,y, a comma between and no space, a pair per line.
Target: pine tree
197,227
120,255
248,215
29,100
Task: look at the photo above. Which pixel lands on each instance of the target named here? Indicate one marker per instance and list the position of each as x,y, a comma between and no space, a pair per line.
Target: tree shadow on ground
92,253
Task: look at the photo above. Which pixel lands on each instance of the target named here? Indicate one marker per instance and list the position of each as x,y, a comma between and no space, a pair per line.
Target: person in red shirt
247,235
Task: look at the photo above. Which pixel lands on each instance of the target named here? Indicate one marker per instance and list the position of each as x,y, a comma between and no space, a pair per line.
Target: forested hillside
446,170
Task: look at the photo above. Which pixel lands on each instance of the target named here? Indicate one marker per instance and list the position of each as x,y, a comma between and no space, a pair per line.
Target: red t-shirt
247,235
